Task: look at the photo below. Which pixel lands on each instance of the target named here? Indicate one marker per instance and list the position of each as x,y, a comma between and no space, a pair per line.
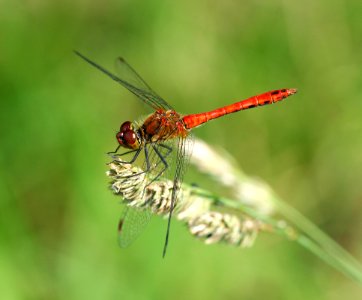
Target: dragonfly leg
115,151
162,159
118,155
161,155
166,147
138,151
148,166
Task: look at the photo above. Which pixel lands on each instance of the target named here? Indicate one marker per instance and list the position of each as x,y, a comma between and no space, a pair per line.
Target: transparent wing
184,151
131,225
134,220
136,85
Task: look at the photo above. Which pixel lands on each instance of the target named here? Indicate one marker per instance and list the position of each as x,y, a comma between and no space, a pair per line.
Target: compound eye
126,126
129,137
119,137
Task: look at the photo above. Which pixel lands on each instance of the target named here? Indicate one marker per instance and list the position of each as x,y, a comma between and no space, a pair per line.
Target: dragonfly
163,132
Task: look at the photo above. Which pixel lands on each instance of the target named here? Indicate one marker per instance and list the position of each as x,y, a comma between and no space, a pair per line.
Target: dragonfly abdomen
195,120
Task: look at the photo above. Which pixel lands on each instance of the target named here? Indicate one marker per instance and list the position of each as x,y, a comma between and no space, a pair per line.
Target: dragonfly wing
138,86
131,225
184,150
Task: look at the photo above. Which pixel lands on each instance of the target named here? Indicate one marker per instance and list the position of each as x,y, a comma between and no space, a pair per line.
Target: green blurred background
59,117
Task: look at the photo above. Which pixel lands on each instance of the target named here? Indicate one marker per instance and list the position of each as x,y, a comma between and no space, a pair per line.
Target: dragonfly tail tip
292,91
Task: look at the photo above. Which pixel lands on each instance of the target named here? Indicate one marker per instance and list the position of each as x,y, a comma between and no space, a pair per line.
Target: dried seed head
220,166
127,181
216,227
138,191
221,169
256,194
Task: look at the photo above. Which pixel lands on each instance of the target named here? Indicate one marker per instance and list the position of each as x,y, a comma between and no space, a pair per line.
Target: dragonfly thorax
162,125
128,137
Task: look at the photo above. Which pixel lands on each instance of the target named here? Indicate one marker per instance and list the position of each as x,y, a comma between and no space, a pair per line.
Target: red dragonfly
161,127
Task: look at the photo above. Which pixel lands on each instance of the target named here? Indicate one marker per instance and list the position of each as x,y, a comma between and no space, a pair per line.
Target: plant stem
304,232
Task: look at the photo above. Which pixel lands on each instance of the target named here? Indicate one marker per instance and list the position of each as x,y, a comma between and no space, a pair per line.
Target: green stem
307,234
314,237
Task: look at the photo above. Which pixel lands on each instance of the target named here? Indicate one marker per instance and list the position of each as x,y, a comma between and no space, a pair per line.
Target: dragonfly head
127,136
